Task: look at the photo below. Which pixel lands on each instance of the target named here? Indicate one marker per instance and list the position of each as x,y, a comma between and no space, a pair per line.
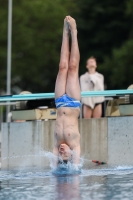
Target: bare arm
76,158
55,152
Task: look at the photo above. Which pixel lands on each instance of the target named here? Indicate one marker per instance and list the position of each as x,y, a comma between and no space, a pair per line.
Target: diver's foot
72,23
66,26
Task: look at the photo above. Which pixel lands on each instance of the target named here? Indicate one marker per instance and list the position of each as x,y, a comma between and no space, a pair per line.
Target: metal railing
11,99
36,96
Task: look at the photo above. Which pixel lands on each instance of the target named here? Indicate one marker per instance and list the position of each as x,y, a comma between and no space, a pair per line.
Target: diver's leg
60,85
72,85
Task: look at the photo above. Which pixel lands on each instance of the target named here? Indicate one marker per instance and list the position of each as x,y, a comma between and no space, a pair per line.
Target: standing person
67,97
92,81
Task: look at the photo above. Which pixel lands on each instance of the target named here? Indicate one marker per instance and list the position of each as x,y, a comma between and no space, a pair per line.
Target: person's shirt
92,82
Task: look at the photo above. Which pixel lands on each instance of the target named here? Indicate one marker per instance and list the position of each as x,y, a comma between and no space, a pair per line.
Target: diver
67,97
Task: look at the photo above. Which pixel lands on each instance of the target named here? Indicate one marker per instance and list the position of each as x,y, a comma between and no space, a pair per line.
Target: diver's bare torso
66,128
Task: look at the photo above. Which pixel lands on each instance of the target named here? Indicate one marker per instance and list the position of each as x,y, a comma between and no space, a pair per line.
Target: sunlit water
68,182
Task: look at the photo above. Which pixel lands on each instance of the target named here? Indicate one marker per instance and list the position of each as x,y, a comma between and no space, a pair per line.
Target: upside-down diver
67,96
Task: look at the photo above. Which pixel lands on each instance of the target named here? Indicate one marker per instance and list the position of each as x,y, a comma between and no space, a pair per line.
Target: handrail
37,96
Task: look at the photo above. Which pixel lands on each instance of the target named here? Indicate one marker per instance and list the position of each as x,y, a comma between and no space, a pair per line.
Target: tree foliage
105,30
3,43
118,66
36,41
103,25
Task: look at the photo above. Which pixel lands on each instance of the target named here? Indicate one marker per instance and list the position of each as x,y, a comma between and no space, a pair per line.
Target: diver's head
65,152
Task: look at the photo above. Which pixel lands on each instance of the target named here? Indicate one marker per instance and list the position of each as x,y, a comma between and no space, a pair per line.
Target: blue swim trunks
66,101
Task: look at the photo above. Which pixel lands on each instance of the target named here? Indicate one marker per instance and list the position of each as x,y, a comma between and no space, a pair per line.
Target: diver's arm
55,152
76,157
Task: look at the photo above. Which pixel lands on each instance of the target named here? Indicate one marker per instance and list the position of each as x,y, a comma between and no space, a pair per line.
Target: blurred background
105,30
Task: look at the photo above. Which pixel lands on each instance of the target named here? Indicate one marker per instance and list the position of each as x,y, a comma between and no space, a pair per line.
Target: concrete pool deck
107,139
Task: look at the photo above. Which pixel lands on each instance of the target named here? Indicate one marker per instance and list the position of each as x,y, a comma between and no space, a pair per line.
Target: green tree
36,41
103,26
3,43
118,67
104,30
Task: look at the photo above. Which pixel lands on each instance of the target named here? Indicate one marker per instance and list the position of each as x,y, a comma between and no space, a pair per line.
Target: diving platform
23,97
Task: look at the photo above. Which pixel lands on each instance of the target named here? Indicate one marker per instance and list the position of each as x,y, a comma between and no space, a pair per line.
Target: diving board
37,96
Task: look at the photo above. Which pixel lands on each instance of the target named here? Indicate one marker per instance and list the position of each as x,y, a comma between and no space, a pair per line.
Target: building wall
28,143
120,141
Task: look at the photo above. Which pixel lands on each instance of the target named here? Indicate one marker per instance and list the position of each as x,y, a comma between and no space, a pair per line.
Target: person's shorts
66,101
96,104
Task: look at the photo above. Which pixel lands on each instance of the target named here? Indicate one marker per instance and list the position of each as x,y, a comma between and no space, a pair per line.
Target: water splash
69,168
63,168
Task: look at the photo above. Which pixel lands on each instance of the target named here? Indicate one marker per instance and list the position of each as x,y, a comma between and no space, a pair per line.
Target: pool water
88,184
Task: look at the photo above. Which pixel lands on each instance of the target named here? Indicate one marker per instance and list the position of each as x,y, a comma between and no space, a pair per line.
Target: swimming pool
98,183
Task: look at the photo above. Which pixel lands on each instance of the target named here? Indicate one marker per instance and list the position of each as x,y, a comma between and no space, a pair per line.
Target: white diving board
37,96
